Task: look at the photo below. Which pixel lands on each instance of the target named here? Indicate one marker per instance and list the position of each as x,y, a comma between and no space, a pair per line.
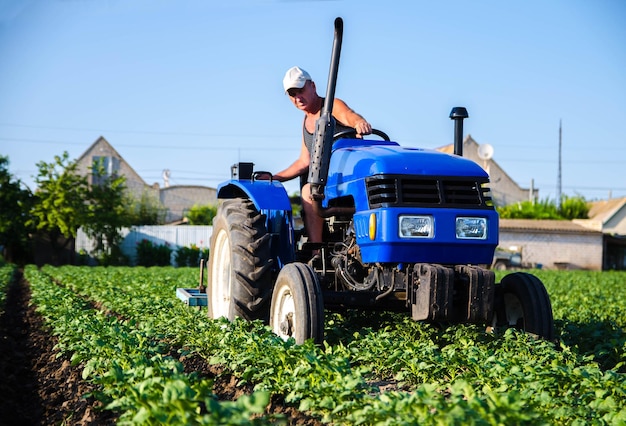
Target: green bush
571,208
190,256
149,254
574,207
201,215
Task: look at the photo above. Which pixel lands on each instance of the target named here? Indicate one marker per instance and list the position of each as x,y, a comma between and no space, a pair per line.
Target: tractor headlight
471,228
416,226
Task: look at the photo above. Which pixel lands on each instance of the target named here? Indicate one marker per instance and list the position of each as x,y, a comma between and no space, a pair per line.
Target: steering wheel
352,134
262,175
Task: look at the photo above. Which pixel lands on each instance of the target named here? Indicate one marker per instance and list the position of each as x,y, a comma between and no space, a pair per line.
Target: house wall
617,224
101,148
179,199
554,250
504,190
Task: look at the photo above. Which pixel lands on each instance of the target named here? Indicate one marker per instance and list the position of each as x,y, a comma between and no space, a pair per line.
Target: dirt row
39,387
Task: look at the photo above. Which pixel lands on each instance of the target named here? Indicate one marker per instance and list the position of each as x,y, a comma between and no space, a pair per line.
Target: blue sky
195,86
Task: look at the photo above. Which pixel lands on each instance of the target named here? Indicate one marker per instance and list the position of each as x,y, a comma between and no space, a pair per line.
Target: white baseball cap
295,78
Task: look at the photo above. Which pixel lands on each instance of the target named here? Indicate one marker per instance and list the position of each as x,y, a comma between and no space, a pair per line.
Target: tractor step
192,296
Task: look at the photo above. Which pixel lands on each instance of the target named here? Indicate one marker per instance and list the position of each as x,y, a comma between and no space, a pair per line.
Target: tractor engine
351,274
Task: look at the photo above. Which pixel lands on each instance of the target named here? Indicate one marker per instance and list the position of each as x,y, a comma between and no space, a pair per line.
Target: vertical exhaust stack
458,114
325,126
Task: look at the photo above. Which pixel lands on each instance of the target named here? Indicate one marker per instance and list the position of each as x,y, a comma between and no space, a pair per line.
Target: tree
201,215
59,207
14,205
145,211
106,215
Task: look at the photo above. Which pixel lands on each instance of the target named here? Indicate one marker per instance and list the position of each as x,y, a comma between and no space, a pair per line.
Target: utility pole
558,181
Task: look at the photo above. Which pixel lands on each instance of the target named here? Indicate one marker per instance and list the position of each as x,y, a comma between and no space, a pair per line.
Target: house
609,217
597,243
553,244
175,199
504,190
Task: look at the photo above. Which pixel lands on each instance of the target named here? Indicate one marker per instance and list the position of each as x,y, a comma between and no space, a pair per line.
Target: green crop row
7,274
590,313
454,374
131,369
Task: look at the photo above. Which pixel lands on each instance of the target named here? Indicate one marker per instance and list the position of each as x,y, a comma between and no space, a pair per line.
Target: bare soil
38,386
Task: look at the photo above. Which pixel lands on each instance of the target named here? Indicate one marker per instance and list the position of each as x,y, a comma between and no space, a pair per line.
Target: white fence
174,236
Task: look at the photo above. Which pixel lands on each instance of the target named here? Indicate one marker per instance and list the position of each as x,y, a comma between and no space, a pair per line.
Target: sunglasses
294,92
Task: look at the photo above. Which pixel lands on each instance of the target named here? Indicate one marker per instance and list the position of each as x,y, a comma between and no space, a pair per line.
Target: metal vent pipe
458,114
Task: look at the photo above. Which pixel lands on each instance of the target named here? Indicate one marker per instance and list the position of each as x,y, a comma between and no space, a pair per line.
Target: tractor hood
353,160
366,158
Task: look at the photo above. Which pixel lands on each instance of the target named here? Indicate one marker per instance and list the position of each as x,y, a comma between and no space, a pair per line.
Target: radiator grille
391,190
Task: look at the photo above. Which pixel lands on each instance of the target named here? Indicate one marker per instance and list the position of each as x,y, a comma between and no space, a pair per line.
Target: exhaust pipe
325,125
458,114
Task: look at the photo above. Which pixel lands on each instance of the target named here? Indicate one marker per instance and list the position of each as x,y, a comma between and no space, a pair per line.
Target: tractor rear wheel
522,302
239,267
297,308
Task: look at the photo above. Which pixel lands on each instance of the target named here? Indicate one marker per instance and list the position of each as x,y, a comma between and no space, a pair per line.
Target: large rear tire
522,302
297,308
239,267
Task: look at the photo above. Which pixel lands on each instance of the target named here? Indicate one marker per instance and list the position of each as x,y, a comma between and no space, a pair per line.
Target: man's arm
344,114
297,167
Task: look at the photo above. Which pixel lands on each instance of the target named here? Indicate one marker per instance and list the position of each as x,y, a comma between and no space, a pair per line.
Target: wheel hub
286,326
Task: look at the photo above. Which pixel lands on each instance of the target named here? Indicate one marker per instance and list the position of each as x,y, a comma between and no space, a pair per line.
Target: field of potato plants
147,358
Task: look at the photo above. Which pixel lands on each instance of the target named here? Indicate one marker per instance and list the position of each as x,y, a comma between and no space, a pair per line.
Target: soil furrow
38,387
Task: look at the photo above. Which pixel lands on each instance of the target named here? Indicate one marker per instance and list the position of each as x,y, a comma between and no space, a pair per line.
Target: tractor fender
271,200
265,194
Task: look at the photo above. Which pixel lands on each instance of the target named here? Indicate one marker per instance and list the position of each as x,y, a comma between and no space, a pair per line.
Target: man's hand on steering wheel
352,133
363,128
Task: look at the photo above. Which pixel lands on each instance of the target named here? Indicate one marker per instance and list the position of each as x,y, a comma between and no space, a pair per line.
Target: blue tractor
405,230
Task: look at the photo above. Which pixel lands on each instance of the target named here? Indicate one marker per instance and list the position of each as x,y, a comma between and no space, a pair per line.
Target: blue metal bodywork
443,247
353,160
351,163
271,199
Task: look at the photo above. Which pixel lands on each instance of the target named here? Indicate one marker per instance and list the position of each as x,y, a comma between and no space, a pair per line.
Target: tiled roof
448,149
604,210
534,225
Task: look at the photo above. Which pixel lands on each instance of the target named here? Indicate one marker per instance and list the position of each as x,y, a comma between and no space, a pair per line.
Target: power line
142,132
275,149
151,146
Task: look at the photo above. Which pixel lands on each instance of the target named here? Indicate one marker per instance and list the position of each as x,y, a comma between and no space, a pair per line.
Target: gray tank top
309,138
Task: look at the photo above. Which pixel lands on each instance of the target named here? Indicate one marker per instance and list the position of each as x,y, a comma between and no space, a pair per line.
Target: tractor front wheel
522,302
239,267
297,308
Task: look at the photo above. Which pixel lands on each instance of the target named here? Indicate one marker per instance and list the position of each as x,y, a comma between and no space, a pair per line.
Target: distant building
175,199
504,190
553,244
609,217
